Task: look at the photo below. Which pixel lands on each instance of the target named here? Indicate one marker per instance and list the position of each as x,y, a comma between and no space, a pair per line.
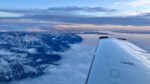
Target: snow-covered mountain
24,55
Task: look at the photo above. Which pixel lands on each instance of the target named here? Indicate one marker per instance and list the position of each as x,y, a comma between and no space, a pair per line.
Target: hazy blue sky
124,7
54,3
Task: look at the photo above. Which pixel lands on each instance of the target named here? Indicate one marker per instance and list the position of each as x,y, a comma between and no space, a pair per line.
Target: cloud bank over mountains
55,16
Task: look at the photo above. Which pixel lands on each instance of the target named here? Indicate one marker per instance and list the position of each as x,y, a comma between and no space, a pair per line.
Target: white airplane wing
119,62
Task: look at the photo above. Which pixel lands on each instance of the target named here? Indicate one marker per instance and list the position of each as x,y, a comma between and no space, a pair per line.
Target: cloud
36,30
139,3
9,14
58,17
135,3
57,10
85,9
24,11
146,15
67,11
139,20
73,26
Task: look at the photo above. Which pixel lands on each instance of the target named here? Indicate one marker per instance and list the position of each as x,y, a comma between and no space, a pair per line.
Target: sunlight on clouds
139,3
132,13
135,3
8,14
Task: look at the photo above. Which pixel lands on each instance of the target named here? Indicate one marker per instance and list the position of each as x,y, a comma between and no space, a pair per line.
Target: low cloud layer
140,20
54,16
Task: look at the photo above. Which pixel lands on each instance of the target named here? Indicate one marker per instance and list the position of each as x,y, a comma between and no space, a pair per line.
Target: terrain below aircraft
118,61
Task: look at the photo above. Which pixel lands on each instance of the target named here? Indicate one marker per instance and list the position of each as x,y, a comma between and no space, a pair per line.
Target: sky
53,3
82,13
123,7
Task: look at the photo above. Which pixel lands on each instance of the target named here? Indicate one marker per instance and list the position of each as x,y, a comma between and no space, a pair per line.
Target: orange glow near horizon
97,27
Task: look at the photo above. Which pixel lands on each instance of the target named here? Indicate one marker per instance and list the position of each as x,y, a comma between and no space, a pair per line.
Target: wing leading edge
117,61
